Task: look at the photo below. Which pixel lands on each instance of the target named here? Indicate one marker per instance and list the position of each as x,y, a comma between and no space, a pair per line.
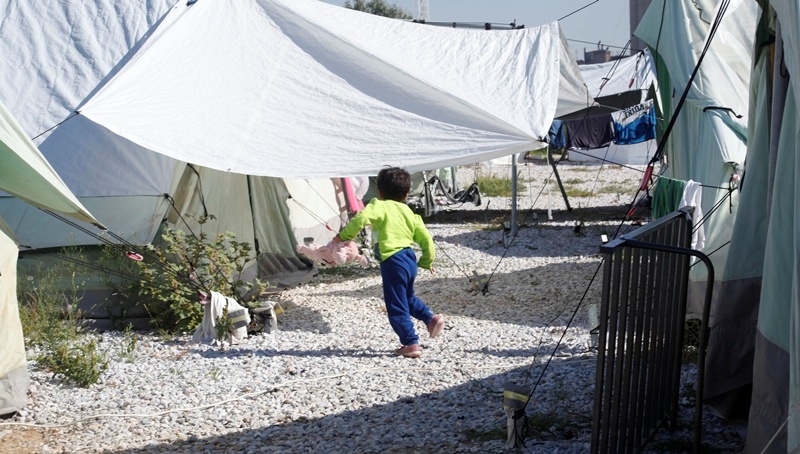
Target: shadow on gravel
536,297
492,215
466,417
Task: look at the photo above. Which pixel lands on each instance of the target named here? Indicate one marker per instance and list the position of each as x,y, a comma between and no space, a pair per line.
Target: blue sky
606,20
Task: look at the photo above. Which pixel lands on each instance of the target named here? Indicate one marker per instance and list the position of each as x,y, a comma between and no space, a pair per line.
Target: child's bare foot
409,351
436,325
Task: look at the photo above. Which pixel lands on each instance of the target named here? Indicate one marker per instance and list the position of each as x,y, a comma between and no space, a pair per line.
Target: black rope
211,263
200,189
712,33
579,9
117,247
69,117
564,333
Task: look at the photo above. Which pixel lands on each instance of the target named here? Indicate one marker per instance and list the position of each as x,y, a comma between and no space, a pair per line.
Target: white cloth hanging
693,196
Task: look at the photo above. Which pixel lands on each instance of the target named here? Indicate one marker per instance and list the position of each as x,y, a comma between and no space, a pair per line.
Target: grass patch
577,192
498,187
574,181
581,169
614,189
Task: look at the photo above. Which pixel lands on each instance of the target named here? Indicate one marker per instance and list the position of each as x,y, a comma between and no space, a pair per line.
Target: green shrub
51,322
212,263
498,187
77,361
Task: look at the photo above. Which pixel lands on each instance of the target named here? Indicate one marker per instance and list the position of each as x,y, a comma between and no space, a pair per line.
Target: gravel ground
326,381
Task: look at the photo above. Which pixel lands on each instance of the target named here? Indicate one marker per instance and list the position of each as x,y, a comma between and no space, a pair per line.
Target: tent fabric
14,378
26,174
408,102
782,312
772,368
636,72
722,81
729,360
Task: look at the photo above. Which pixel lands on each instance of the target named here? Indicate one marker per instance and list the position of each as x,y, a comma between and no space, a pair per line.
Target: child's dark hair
394,183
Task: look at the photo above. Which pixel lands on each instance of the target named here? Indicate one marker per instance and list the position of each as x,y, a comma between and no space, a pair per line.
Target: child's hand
336,239
432,270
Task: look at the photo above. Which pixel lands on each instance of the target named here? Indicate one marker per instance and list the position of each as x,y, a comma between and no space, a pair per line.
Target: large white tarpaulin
304,89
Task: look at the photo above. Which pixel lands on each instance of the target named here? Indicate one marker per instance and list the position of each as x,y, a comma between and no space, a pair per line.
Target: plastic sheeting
305,89
636,72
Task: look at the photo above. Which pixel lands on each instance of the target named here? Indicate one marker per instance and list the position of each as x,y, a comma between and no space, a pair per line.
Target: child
397,228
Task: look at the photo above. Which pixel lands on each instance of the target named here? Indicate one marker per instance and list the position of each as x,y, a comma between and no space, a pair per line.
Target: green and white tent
753,362
27,175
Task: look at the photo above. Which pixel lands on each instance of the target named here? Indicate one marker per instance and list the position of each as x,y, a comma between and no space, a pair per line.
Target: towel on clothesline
666,196
693,196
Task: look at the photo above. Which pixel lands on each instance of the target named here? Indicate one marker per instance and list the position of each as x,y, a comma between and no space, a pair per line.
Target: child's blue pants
399,272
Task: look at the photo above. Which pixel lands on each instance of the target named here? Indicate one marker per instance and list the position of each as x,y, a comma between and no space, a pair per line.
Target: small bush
78,361
51,322
183,264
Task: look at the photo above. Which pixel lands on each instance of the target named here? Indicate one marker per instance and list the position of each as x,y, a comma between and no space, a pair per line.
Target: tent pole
552,163
514,196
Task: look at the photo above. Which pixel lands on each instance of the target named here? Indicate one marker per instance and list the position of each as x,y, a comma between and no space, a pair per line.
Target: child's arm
359,221
425,241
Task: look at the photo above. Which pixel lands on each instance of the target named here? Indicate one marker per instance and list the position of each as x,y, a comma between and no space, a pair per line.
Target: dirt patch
21,440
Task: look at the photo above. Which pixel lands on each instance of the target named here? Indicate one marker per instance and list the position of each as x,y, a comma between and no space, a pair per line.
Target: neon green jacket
397,227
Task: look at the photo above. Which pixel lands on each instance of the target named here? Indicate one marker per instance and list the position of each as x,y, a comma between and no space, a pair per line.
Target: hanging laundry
693,196
666,196
635,124
592,132
557,135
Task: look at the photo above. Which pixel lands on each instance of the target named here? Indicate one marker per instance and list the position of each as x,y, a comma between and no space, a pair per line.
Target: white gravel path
326,382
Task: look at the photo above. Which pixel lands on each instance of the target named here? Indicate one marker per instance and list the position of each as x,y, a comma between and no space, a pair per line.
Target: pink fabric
353,202
333,254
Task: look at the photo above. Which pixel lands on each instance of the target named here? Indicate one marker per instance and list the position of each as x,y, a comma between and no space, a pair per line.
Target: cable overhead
579,9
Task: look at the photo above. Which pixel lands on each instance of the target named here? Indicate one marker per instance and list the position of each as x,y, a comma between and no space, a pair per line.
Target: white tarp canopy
305,89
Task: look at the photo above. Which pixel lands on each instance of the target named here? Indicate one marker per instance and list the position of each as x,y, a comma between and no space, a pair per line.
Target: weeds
497,187
51,321
128,347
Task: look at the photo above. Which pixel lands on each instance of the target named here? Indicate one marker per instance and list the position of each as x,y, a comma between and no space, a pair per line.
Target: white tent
25,173
292,89
55,67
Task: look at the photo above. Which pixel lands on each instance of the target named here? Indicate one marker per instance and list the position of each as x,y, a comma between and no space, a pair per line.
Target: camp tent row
215,106
741,112
178,123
